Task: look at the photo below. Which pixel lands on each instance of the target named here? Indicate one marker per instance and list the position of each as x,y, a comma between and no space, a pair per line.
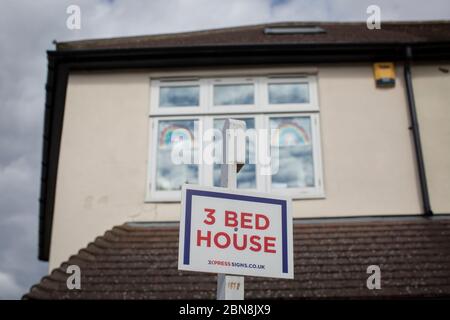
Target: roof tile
330,258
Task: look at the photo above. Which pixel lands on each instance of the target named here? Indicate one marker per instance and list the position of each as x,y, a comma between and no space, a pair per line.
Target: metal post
230,287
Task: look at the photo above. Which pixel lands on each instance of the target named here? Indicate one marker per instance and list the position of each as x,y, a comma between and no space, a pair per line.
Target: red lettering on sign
223,240
231,219
258,224
210,216
269,242
238,240
200,238
246,220
235,242
224,236
256,246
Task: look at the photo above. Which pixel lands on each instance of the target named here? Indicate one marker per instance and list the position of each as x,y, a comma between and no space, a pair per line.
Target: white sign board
235,232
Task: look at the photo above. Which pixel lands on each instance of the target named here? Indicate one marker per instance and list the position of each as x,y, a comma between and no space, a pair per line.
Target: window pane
280,93
171,176
296,165
233,94
180,96
246,178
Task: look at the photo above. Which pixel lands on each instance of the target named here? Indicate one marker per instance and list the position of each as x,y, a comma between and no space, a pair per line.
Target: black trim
62,62
416,134
57,77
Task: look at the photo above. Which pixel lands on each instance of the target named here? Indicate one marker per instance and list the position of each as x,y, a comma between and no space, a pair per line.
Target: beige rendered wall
432,94
367,153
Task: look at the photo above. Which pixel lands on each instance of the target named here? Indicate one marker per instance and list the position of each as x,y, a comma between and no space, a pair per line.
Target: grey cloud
355,10
8,287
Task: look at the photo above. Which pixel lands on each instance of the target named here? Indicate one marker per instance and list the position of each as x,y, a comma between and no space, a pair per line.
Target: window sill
164,200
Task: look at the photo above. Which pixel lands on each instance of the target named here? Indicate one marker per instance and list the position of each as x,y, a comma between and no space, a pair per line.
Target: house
364,114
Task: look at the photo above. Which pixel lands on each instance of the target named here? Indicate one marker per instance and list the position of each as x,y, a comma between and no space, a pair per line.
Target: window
176,96
179,96
233,94
295,147
246,177
282,93
183,110
171,176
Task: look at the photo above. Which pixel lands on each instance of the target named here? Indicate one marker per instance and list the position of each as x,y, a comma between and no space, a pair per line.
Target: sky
27,29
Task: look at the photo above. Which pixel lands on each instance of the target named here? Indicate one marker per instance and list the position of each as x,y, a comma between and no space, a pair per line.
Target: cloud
9,289
28,29
355,10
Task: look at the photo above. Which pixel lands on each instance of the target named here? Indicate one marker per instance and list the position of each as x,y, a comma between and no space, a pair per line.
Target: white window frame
154,195
155,109
302,193
261,111
237,108
261,104
311,105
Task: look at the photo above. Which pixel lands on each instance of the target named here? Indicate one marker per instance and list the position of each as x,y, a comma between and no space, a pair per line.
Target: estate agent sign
235,232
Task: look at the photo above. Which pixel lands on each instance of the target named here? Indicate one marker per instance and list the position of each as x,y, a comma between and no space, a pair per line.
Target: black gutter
62,62
416,134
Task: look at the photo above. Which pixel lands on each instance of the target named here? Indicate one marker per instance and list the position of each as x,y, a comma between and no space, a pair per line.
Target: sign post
230,287
232,232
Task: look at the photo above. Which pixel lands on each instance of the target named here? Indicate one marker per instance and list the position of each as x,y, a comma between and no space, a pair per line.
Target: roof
335,32
330,259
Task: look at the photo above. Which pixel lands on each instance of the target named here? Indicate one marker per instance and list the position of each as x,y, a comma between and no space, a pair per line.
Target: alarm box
384,73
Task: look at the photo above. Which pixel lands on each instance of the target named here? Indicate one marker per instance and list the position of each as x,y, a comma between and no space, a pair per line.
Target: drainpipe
416,135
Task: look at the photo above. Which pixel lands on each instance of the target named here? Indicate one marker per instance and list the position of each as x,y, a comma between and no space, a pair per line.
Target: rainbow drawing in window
290,134
173,134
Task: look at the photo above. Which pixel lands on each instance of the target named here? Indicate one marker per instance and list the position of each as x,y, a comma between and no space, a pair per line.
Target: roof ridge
161,36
